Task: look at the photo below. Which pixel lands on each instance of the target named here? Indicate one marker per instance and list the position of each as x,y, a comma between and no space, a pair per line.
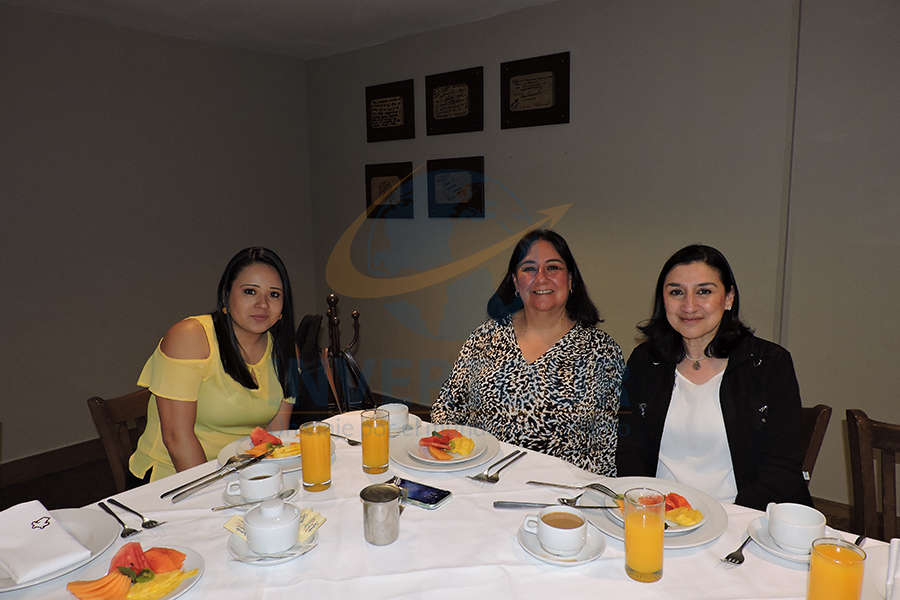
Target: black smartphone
423,495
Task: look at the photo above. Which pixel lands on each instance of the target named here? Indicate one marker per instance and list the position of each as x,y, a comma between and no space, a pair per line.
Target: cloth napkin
34,544
894,555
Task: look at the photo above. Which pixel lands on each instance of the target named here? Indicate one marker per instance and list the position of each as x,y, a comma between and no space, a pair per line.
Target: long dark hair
505,302
667,343
283,355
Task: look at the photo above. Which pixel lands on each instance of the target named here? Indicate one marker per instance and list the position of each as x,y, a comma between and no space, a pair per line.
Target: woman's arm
608,387
452,403
282,420
184,340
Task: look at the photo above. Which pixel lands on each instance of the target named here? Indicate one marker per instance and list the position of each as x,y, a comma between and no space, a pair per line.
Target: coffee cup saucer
593,548
412,423
233,499
758,530
240,551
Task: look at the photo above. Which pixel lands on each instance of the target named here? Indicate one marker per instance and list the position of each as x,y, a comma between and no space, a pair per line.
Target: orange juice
315,459
644,530
835,570
375,440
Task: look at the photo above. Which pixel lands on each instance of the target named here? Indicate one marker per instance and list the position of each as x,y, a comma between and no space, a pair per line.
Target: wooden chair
120,421
815,423
864,436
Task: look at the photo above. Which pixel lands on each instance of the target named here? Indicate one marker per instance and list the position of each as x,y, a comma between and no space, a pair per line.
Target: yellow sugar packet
310,521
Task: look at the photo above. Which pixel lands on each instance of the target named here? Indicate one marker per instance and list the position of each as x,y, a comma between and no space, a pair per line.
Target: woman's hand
184,340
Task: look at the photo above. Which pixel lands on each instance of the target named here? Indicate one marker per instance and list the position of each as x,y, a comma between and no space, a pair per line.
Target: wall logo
344,278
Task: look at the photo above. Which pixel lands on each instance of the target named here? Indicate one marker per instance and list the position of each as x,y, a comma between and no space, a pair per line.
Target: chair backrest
815,423
120,421
864,436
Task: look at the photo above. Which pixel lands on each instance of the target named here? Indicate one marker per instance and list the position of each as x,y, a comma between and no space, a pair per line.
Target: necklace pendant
696,365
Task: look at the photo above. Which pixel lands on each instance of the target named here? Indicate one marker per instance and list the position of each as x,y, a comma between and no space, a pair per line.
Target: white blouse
694,446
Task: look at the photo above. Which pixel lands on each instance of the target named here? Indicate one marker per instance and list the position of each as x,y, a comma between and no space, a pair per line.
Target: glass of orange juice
376,430
835,570
645,519
315,455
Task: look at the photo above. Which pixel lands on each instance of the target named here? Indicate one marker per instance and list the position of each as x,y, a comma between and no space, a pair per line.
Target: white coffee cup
794,526
398,415
257,482
561,530
272,527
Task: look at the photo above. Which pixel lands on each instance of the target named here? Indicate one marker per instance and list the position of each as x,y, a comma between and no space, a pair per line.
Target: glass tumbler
376,433
645,519
835,570
315,456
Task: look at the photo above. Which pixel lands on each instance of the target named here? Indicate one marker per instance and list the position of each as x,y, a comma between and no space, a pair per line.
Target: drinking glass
376,433
835,570
645,519
315,456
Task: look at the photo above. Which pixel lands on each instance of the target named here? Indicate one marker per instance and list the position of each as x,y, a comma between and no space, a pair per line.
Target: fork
736,557
485,475
349,441
145,522
126,530
599,487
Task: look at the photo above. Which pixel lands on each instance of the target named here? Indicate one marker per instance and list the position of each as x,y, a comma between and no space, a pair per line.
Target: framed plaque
456,187
454,102
389,186
390,112
534,91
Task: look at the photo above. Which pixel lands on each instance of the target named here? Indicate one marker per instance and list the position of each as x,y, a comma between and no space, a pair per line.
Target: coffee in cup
257,482
793,527
561,530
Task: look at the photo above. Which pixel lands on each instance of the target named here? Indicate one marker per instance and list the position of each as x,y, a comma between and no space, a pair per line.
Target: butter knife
231,462
511,504
184,494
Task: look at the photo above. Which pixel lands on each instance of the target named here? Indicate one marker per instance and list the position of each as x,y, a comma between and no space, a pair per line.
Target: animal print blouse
564,404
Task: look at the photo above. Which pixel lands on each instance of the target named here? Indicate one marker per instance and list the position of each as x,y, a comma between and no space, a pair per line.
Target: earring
517,293
224,310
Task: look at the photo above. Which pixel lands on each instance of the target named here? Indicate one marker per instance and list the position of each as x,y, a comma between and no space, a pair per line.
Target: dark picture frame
535,91
390,111
456,187
380,179
454,101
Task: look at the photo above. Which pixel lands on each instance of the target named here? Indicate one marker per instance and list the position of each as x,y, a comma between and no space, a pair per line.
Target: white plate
758,530
413,423
401,445
714,525
93,529
421,453
232,499
240,551
673,529
288,463
592,550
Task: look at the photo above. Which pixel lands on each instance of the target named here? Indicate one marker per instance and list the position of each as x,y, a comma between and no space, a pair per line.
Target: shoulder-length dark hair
505,302
667,343
283,355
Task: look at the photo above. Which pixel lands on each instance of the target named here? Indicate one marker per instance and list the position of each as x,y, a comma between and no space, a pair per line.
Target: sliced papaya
112,586
438,453
163,560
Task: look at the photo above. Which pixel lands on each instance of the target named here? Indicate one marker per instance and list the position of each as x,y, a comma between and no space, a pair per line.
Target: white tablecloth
464,550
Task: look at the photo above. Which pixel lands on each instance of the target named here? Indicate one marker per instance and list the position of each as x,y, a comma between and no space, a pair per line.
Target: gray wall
133,167
681,132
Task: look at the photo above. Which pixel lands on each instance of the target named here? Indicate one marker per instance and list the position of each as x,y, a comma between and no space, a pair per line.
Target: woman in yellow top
215,377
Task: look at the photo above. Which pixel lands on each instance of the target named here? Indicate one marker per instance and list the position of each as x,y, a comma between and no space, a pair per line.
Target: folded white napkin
892,569
34,544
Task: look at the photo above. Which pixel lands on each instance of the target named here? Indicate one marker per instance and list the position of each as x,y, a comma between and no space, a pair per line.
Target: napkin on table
892,568
34,544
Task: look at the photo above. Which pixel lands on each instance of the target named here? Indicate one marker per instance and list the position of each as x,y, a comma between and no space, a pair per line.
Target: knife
201,478
184,494
510,504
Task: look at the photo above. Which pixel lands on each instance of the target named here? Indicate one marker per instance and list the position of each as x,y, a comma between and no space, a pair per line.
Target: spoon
281,496
349,441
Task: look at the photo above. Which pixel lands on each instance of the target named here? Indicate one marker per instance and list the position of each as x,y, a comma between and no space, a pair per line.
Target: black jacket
760,403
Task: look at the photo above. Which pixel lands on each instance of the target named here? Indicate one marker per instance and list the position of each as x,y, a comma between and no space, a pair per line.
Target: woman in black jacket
711,405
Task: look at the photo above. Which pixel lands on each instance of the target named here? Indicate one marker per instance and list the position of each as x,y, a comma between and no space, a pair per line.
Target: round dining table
464,550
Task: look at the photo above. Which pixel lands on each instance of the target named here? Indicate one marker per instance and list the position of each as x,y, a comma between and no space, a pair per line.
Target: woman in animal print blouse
539,373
